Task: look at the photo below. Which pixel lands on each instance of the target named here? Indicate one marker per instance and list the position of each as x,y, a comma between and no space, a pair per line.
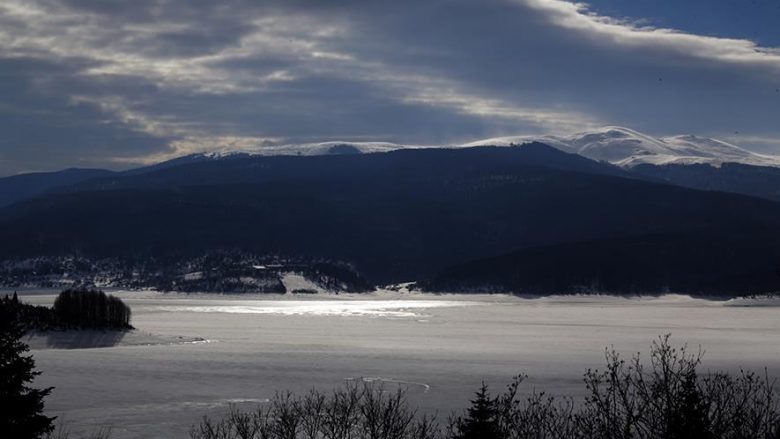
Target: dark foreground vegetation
21,406
73,309
665,397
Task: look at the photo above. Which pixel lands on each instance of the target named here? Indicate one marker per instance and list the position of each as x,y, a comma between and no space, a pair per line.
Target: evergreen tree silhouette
21,406
481,421
689,419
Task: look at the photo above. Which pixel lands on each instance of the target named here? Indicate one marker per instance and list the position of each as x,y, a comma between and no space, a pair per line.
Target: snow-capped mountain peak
628,148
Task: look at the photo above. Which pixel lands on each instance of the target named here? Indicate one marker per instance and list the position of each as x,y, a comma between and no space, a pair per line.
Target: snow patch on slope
313,149
294,282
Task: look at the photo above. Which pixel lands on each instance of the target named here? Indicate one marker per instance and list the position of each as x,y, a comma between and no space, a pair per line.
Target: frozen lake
195,355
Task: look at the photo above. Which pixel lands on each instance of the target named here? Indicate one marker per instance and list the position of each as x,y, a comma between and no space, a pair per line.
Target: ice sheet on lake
161,390
337,308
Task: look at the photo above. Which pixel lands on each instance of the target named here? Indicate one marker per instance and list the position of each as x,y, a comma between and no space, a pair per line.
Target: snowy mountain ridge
628,148
311,149
619,146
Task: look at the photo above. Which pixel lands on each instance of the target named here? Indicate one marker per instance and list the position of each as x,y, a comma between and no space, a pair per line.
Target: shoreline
387,293
97,339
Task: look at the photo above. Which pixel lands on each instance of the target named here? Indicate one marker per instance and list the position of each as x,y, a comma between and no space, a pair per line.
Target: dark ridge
242,168
723,264
757,181
21,187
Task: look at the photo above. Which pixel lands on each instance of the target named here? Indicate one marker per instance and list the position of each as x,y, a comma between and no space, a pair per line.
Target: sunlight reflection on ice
367,308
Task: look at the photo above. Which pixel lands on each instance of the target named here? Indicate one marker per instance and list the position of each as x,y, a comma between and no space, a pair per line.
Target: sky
94,83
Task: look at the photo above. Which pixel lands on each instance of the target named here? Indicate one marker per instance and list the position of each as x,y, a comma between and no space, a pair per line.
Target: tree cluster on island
73,309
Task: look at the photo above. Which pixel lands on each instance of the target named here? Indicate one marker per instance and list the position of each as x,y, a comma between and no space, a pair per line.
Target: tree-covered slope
398,216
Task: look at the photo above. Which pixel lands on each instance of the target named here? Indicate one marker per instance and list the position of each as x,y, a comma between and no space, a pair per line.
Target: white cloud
212,75
578,17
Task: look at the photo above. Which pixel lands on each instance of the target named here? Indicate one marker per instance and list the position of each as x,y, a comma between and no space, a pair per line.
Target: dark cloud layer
93,83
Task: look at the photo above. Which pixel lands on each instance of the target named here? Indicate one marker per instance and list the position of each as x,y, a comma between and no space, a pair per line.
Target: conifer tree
481,421
21,406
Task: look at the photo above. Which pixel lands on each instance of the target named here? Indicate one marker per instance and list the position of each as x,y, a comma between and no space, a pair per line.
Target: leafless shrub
353,411
663,397
670,399
62,432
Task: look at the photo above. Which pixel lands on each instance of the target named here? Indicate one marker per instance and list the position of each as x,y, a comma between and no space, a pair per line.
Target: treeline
647,264
73,309
665,398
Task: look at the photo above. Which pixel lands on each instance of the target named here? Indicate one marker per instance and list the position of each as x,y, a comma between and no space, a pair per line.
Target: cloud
99,83
577,17
43,127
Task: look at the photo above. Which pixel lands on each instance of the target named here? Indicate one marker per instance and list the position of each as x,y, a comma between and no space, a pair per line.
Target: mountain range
619,146
684,160
517,216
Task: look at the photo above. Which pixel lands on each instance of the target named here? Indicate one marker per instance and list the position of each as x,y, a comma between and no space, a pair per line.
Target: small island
74,309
